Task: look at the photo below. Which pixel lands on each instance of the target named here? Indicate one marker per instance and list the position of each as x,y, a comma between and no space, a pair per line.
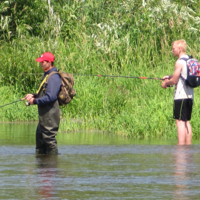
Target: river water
96,166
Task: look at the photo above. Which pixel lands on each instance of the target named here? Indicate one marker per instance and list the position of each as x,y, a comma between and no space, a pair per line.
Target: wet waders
49,120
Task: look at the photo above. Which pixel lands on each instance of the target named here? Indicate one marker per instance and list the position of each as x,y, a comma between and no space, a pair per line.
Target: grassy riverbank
114,38
134,108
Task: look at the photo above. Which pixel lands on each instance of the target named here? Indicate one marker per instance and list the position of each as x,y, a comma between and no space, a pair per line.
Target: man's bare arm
174,78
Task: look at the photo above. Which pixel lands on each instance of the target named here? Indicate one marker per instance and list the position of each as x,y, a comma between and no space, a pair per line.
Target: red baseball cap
46,57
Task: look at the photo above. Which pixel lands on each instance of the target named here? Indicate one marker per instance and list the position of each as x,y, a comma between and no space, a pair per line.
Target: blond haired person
183,96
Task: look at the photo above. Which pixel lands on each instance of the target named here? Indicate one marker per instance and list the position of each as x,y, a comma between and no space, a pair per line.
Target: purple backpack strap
186,59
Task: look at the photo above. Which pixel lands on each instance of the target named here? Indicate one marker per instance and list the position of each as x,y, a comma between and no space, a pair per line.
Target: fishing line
113,76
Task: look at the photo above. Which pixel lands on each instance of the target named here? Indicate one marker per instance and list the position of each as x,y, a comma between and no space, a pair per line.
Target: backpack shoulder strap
186,59
46,79
49,75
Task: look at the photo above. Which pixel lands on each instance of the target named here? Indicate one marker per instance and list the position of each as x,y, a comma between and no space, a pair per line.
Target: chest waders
49,120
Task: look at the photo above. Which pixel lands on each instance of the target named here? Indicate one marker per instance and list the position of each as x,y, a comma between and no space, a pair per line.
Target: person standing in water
48,106
183,96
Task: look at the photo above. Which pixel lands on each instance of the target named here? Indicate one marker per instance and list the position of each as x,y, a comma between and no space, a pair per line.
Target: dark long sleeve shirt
52,90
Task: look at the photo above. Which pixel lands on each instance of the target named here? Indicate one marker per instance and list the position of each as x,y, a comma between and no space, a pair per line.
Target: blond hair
181,44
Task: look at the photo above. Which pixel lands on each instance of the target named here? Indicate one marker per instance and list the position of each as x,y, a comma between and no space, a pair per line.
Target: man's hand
30,98
164,84
165,77
173,79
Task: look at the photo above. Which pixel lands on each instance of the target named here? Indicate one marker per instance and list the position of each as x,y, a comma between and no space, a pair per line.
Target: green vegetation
125,38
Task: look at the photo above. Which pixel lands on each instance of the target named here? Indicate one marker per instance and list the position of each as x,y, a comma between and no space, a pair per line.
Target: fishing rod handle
27,102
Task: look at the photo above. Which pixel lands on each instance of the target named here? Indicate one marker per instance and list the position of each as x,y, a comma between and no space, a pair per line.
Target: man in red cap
48,106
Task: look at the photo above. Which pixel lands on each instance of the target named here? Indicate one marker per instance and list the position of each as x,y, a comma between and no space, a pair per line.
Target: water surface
96,166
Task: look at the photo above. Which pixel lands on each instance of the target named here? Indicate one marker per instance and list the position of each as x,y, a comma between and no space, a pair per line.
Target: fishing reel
27,103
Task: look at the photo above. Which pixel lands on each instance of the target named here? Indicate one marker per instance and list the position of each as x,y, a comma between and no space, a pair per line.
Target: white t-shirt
182,91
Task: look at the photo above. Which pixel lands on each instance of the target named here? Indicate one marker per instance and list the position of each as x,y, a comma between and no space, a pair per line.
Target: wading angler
183,96
46,98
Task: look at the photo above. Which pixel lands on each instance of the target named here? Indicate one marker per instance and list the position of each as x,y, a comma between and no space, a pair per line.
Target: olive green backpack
67,91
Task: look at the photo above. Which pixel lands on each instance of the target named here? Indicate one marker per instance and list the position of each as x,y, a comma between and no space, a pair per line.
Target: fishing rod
99,75
13,102
122,77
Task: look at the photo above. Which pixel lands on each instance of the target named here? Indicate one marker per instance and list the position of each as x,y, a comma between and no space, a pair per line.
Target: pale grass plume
52,25
107,36
174,13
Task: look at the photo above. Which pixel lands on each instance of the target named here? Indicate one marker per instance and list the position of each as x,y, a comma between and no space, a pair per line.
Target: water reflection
47,170
183,172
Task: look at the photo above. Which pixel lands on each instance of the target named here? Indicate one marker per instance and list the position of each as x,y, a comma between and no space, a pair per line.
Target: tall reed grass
131,38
